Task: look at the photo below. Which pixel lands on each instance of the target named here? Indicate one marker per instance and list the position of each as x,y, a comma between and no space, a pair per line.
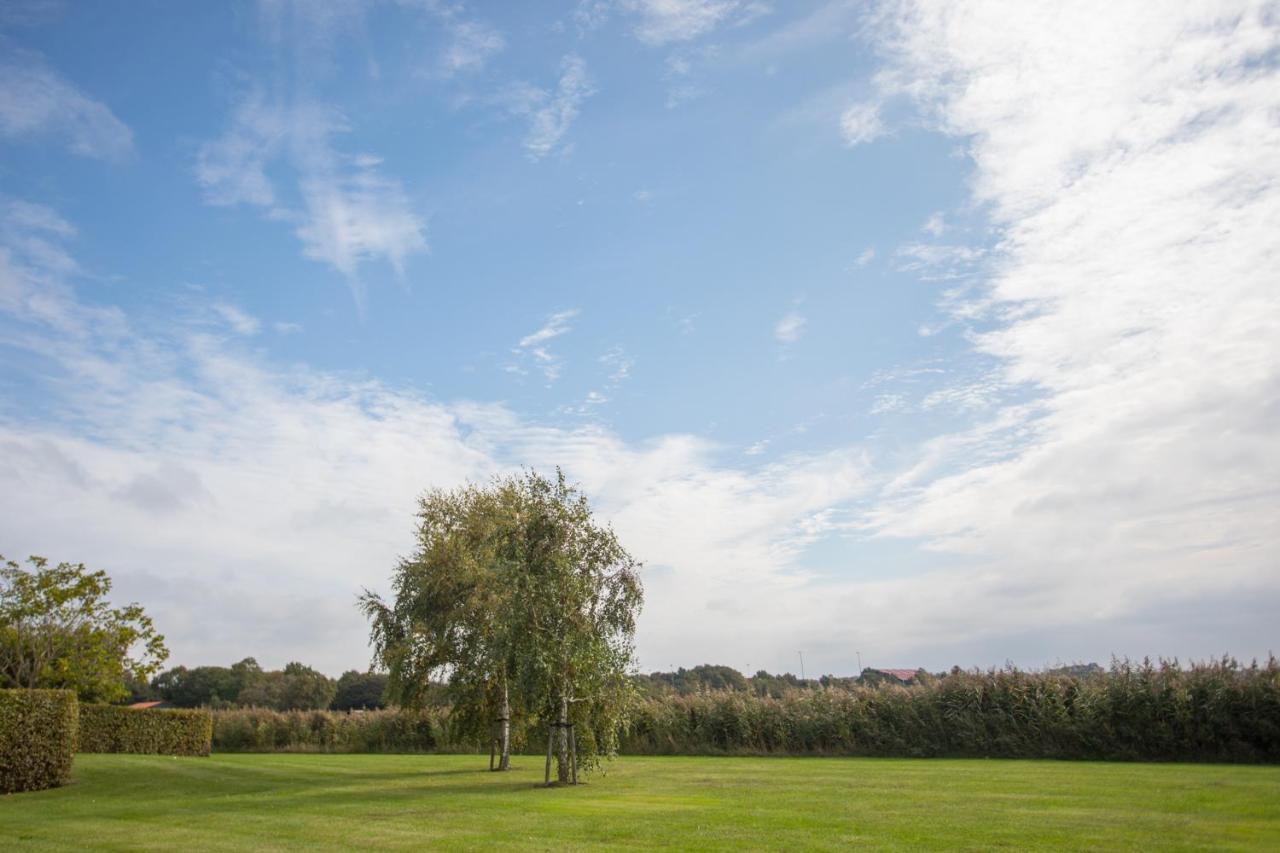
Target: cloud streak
551,112
345,211
36,101
790,328
533,348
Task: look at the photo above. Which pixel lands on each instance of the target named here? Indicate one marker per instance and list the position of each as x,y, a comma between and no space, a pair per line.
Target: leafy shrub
112,728
37,738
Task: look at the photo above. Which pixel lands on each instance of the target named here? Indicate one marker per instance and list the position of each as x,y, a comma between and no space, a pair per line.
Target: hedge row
1214,712
37,738
112,728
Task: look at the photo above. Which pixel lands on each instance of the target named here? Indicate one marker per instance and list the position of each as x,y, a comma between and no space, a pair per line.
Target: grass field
231,802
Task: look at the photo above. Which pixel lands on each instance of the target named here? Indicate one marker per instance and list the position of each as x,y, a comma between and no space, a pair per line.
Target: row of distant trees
712,678
297,687
300,688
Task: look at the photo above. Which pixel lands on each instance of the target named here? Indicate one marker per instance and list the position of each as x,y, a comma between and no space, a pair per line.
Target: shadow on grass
229,788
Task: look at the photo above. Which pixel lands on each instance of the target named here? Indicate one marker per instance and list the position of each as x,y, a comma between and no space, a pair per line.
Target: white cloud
861,123
1133,172
240,322
664,21
250,503
36,101
619,365
232,168
355,216
472,44
591,15
790,328
939,262
557,324
866,256
827,22
887,403
551,113
346,213
533,350
934,225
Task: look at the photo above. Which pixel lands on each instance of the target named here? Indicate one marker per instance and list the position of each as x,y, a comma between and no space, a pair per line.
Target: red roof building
903,676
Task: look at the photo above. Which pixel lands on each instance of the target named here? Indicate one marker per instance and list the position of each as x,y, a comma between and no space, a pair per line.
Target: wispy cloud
345,210
664,21
551,112
232,168
556,325
36,101
937,261
470,47
534,350
790,328
240,322
860,123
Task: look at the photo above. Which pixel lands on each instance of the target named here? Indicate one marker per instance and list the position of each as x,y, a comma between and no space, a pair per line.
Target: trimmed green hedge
37,738
112,728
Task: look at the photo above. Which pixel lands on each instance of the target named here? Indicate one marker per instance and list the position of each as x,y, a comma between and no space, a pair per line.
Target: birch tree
580,593
523,604
451,618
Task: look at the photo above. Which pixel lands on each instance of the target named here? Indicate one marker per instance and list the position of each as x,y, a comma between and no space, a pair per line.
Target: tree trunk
504,761
573,751
563,768
551,736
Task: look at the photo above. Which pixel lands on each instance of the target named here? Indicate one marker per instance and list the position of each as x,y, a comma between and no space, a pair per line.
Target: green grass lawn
232,802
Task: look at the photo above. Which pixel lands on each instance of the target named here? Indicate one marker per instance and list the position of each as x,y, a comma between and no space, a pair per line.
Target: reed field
1219,711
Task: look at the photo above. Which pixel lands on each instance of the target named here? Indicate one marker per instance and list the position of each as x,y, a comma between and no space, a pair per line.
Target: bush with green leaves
154,731
37,738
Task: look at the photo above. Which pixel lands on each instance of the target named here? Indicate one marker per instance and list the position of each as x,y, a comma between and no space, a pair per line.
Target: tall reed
1215,711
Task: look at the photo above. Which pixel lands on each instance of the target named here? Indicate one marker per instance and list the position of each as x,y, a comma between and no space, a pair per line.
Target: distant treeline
1218,711
298,687
246,684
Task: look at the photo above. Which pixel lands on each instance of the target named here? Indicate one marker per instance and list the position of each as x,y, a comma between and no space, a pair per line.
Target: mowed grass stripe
294,802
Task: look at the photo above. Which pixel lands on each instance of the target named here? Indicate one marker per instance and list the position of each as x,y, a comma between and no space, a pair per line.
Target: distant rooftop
900,674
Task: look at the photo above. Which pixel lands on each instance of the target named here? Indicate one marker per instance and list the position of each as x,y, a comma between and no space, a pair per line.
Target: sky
899,332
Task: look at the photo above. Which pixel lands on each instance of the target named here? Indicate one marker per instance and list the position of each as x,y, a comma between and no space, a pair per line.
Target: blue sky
943,335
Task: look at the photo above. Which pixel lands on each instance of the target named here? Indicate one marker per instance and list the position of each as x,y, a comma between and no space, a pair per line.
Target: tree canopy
360,690
57,630
525,605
